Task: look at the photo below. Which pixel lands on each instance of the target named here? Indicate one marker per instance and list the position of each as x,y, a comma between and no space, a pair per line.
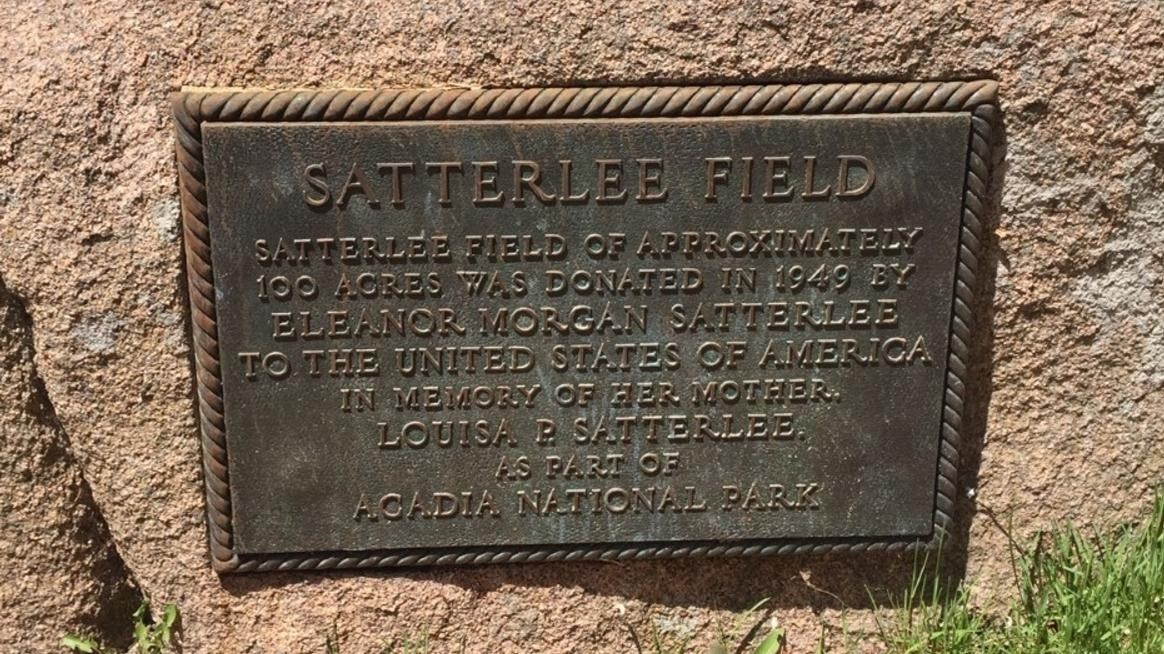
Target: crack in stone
46,454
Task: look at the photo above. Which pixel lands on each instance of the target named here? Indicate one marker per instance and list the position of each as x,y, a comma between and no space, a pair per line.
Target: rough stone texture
61,571
1074,370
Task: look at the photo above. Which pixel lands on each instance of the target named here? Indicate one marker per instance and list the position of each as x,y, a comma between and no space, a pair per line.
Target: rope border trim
979,98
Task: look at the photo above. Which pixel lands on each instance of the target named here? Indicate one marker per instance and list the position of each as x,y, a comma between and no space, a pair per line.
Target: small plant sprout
149,636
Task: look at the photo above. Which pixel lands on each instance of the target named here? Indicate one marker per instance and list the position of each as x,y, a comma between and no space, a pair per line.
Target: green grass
412,645
1078,592
150,635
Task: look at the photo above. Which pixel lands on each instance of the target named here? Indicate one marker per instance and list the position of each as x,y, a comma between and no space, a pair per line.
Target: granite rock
1070,375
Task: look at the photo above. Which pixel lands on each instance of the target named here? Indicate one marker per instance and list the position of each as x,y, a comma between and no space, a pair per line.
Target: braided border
191,109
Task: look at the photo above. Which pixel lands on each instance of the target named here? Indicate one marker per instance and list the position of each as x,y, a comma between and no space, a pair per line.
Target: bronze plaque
466,326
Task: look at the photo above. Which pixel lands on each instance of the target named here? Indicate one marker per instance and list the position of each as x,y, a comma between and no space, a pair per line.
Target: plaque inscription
473,326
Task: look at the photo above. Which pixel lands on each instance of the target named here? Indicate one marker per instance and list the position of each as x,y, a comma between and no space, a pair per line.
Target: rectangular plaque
468,326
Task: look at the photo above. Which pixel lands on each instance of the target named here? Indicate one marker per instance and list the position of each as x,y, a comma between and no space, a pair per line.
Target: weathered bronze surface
464,338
